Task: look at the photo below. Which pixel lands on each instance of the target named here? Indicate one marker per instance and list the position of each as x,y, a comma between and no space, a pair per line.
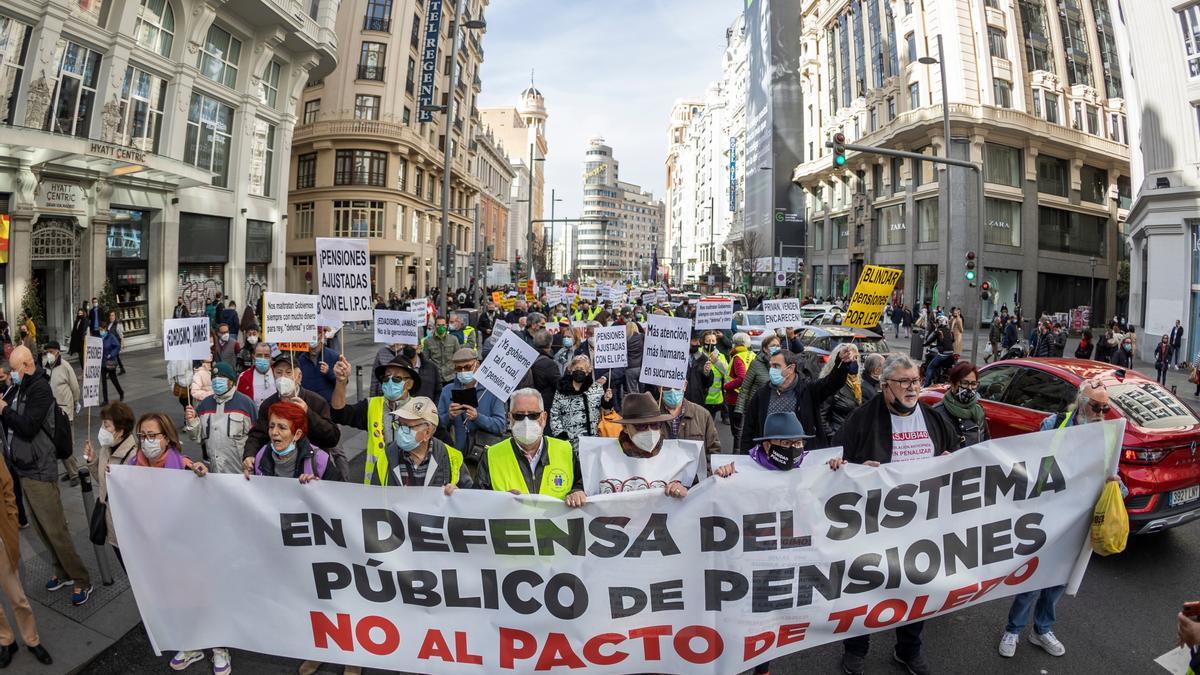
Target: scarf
972,412
855,385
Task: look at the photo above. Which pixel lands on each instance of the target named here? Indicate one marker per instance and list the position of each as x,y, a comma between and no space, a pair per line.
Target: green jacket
440,351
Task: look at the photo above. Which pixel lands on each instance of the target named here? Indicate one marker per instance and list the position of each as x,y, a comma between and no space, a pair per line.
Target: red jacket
737,373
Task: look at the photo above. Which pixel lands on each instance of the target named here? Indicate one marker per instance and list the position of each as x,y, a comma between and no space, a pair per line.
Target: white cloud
611,68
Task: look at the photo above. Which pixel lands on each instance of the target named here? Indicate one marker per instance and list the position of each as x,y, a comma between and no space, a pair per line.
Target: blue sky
611,68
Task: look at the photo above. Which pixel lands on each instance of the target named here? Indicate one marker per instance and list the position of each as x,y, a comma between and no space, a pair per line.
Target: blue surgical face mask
406,438
286,451
16,377
262,365
103,333
672,397
220,386
568,342
776,376
466,378
773,350
393,391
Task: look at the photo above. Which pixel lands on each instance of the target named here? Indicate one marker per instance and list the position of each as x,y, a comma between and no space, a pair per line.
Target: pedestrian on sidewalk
78,331
117,327
1162,360
10,582
22,520
1176,342
1084,350
65,386
25,413
111,360
116,443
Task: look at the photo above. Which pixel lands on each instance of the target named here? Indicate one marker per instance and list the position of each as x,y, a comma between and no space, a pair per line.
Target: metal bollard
89,505
358,382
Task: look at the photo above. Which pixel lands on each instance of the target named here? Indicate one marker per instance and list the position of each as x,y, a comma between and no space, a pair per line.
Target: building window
914,96
306,171
1052,175
911,41
1002,165
844,57
14,38
370,61
1003,222
996,43
1071,232
143,98
1052,113
402,175
1038,54
406,116
262,158
889,225
874,117
312,109
75,89
873,30
833,72
410,81
379,16
269,85
1109,61
90,11
418,182
928,212
361,167
1003,92
155,27
1075,44
1093,120
209,136
841,231
891,108
860,55
366,107
1093,184
416,31
305,215
219,56
877,180
357,218
897,178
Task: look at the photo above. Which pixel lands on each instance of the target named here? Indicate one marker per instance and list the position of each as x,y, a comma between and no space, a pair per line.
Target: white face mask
646,440
252,340
527,432
152,448
286,387
105,437
48,360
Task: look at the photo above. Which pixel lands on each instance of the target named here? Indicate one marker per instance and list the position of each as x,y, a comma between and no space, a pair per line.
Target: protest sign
781,313
419,306
665,351
871,296
186,339
660,295
499,326
649,298
607,469
93,361
289,317
506,364
714,314
344,279
588,293
554,295
615,295
569,298
497,297
610,348
747,568
398,327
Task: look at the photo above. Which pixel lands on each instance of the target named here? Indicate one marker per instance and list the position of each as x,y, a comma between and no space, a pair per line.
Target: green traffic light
970,275
840,160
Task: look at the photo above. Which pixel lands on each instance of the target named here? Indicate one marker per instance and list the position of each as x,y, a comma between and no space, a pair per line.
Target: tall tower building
621,243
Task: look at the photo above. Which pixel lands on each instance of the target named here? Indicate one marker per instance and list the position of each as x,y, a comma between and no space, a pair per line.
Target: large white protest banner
781,313
506,364
610,348
289,317
398,327
186,339
93,361
607,469
714,314
344,279
744,569
665,351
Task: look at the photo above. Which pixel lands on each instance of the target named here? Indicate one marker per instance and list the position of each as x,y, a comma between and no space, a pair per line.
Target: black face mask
710,348
694,348
580,376
783,458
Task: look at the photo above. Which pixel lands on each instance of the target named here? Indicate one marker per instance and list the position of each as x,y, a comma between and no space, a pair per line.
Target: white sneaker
186,658
1008,644
221,665
1048,642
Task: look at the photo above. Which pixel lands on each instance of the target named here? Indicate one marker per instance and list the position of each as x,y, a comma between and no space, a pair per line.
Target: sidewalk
76,635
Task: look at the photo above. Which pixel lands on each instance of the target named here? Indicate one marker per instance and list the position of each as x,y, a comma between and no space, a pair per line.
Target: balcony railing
377,23
366,72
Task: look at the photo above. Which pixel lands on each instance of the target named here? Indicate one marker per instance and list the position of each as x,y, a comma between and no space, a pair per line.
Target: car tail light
1143,455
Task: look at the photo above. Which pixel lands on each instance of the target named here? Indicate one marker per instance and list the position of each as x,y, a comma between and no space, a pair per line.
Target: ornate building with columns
1035,95
145,143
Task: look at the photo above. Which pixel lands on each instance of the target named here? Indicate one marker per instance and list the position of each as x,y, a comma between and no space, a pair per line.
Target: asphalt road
1121,621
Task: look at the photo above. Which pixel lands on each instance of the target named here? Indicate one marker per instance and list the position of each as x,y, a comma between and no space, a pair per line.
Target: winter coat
810,395
440,350
697,381
491,418
633,351
65,386
1011,335
313,379
956,328
969,433
101,460
223,427
696,424
26,418
737,375
866,434
1162,356
838,407
543,375
321,429
575,413
757,375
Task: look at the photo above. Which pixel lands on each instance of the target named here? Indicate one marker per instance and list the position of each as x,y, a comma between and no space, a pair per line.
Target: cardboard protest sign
871,296
289,317
344,279
505,365
665,351
93,361
398,327
781,313
610,348
714,314
186,339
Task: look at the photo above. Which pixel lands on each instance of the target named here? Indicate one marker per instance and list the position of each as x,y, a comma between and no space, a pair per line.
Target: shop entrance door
55,256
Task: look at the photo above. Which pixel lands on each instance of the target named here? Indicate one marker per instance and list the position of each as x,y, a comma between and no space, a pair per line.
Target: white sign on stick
344,279
665,352
187,339
588,293
289,317
554,295
398,327
610,348
506,364
781,313
660,295
714,314
93,361
419,306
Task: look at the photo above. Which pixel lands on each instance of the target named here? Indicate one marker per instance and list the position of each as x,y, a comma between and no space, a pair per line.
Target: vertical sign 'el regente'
429,57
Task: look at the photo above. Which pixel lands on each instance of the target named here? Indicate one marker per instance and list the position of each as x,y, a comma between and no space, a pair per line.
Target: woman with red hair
289,454
961,405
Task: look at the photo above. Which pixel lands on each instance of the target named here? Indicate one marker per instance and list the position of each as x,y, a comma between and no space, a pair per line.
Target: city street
1128,599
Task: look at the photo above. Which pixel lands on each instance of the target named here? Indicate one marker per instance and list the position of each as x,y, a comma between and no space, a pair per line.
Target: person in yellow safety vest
529,461
587,313
714,399
464,333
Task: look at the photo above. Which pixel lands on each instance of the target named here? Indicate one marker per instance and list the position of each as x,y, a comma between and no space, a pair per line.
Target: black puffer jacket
866,434
838,407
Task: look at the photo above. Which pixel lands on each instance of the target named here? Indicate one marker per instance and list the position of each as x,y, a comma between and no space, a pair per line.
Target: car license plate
1184,496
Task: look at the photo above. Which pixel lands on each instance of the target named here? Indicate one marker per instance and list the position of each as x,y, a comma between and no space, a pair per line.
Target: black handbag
98,527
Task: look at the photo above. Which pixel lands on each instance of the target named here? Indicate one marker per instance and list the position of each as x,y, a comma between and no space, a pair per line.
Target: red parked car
1160,454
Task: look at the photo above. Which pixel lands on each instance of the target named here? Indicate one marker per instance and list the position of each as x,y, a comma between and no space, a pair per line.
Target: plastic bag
1110,522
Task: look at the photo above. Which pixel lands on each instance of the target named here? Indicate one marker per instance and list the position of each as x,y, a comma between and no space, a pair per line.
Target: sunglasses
396,379
517,417
1099,408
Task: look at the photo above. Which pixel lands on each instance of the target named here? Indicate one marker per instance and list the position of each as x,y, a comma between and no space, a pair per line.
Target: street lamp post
1092,291
943,195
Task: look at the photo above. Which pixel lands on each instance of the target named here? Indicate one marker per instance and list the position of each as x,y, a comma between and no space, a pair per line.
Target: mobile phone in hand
1192,610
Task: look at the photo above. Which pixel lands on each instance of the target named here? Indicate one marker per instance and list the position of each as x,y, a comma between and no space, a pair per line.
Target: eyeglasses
908,383
465,368
396,379
149,437
1099,408
969,384
518,416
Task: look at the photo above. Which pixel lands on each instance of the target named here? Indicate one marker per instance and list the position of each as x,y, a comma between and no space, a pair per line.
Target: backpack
60,432
317,462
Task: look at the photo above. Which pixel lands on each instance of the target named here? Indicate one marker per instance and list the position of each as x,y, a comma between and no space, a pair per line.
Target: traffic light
970,273
985,291
839,150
